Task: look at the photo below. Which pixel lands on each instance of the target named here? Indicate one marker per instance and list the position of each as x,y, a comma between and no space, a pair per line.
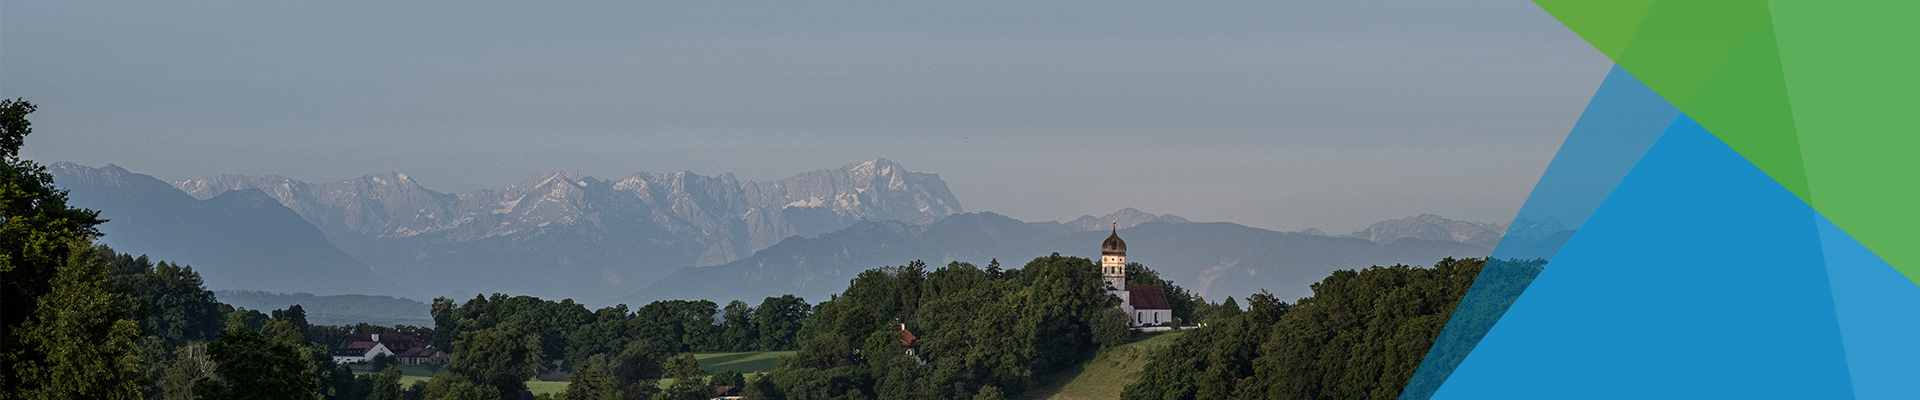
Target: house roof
419,352
396,341
1144,297
906,337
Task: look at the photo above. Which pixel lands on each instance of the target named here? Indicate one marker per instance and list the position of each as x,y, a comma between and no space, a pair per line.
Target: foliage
972,331
568,334
175,303
689,381
495,359
63,332
190,364
386,386
1360,336
81,329
382,361
250,365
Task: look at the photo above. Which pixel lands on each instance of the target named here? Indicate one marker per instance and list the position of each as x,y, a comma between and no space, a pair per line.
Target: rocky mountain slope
237,240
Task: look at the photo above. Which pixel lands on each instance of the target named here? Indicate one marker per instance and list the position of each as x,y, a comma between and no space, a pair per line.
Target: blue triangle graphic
1698,277
1879,312
1622,121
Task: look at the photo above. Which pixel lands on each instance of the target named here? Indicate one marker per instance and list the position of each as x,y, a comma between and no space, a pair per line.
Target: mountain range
1214,259
239,239
678,235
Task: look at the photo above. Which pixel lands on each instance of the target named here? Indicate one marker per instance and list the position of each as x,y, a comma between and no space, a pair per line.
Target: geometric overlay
1698,277
1619,125
1818,94
1764,247
1879,314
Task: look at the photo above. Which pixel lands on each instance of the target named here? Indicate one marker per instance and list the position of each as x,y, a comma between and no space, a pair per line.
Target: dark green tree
386,386
494,359
593,380
190,364
738,331
249,365
779,320
382,361
61,329
689,380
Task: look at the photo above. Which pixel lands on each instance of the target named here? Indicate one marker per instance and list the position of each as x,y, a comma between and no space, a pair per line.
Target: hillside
1105,376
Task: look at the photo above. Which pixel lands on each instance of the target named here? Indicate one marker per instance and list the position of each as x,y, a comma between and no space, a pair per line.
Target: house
405,347
725,392
907,340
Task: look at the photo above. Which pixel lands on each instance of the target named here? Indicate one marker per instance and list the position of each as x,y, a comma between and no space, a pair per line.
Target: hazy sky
1276,114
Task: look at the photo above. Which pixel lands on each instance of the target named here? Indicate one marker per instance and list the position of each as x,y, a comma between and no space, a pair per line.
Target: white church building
1146,305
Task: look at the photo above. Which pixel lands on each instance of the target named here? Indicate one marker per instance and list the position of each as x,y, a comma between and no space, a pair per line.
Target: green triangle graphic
1849,72
1745,105
1607,25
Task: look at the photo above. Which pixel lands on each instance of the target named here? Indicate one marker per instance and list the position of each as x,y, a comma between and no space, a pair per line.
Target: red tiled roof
1147,298
906,337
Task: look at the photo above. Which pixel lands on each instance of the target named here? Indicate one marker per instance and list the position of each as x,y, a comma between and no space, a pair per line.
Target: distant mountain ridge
237,240
1214,259
587,237
1432,227
561,234
1123,219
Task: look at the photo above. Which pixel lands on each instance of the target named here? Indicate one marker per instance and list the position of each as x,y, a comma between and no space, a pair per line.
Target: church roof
1114,246
1147,298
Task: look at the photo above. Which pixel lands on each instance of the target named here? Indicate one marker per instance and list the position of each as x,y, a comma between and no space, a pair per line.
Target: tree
382,361
689,381
387,385
728,378
779,319
1360,336
738,332
44,289
1228,309
190,364
176,304
249,365
81,328
993,269
494,359
593,381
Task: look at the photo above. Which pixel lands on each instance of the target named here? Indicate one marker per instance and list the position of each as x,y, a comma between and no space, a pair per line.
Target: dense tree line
978,333
563,335
1360,336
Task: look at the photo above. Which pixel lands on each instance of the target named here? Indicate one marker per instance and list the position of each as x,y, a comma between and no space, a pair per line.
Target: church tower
1113,261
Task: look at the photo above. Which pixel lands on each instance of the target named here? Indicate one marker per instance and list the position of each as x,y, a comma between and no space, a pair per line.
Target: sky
1277,114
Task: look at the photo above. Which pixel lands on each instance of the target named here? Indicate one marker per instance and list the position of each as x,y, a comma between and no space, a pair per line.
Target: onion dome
1114,246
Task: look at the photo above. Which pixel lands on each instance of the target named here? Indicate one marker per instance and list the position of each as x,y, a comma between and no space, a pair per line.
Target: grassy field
750,363
1106,375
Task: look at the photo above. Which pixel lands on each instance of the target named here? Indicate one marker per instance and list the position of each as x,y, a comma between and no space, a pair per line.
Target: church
1145,305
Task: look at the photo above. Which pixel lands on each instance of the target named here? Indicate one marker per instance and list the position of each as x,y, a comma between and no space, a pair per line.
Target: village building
1146,306
406,348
